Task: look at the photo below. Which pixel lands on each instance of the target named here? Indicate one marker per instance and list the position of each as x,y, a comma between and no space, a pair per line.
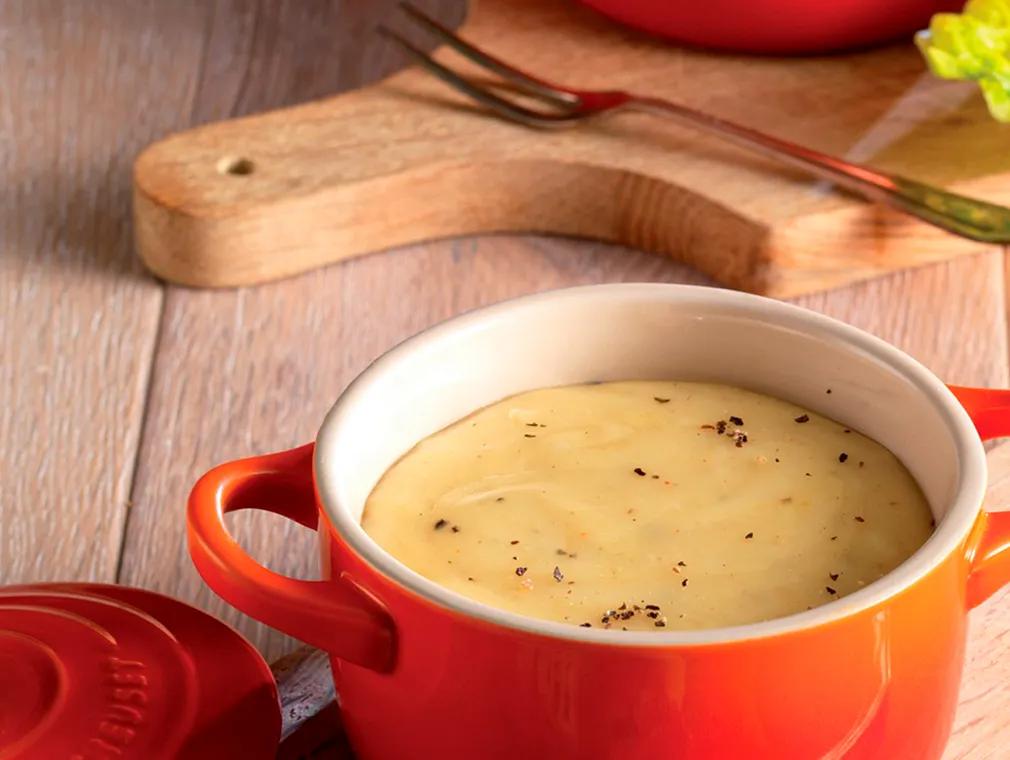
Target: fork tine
549,93
499,105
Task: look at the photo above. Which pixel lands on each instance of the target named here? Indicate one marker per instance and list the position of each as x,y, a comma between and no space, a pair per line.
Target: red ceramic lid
91,671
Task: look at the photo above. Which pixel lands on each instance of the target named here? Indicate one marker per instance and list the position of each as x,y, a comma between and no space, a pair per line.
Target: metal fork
566,107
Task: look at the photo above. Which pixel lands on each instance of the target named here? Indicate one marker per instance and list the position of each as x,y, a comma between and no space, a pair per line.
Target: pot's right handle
989,543
334,615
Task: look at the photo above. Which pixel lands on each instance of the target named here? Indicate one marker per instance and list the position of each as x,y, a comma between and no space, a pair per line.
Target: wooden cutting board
271,195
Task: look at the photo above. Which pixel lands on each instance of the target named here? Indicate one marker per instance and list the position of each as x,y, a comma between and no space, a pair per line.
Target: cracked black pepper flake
661,400
652,614
558,575
720,427
750,535
532,424
802,418
736,420
514,541
862,463
859,519
469,577
440,523
528,435
500,498
655,477
652,606
639,471
834,538
776,459
739,439
660,623
833,576
585,625
830,590
520,571
843,457
828,390
681,564
684,583
455,529
846,430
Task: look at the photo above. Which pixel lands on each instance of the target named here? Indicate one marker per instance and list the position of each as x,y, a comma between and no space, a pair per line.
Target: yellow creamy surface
537,504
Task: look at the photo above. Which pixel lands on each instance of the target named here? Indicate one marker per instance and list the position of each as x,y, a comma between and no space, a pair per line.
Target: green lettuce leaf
974,45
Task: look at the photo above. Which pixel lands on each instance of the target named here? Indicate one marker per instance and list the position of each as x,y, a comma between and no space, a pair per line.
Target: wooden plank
82,87
948,316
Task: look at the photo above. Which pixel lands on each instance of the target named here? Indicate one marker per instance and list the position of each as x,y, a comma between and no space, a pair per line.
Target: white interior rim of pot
342,488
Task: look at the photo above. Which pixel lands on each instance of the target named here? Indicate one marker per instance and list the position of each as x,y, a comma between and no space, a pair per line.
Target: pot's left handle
989,544
335,614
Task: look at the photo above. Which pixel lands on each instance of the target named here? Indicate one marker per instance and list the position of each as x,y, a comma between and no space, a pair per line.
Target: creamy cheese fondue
649,506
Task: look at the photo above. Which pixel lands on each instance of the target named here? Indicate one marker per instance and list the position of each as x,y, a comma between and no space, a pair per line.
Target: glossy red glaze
990,544
92,671
881,682
776,26
333,614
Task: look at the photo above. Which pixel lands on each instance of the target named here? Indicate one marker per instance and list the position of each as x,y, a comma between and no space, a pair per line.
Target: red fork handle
335,615
989,544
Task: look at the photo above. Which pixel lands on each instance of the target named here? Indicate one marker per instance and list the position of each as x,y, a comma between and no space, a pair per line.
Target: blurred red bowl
776,26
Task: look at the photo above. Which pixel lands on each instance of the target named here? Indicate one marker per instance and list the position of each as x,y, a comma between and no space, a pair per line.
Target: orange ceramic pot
425,672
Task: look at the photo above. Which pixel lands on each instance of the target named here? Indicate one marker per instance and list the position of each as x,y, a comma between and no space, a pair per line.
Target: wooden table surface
117,392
